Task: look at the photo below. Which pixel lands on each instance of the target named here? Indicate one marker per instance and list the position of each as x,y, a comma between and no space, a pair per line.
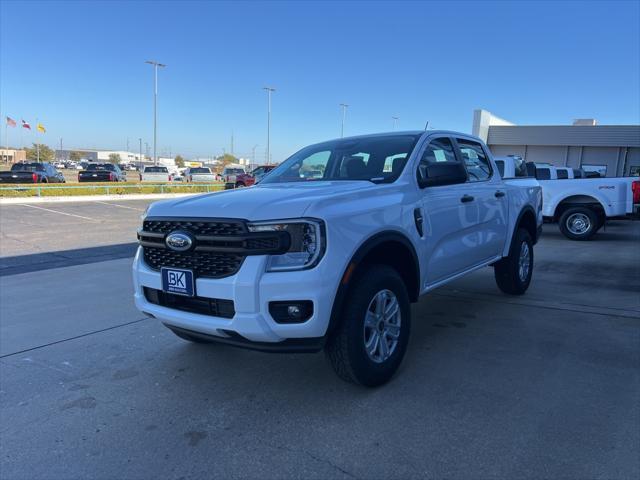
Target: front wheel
579,223
513,273
371,339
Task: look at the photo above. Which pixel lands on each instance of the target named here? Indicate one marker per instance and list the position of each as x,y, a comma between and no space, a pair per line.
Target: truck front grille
219,246
203,264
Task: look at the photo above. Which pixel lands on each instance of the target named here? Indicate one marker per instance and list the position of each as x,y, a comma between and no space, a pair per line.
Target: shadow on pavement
64,258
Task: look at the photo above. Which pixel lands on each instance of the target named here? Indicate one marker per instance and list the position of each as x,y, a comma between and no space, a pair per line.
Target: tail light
169,178
35,177
635,188
112,177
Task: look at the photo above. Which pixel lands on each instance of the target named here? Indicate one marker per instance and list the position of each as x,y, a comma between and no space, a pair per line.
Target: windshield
101,166
378,159
27,167
199,170
156,170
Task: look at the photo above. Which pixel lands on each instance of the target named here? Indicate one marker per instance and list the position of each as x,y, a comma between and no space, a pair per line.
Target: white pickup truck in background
155,174
199,175
579,205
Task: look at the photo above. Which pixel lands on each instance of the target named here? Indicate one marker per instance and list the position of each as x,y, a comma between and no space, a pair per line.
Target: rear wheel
513,273
579,223
371,339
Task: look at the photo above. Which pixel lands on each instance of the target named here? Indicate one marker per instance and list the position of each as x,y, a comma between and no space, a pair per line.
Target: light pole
140,157
395,121
253,154
269,90
155,101
344,114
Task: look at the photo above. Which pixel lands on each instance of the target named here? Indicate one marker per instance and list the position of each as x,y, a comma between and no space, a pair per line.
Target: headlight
307,243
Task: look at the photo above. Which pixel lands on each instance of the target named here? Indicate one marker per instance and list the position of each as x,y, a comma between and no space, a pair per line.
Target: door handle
499,194
466,198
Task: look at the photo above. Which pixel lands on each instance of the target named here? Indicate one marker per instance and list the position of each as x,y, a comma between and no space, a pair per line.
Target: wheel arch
387,248
579,200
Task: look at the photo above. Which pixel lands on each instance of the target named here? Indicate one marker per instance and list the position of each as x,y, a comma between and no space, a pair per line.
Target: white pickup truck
199,175
156,174
579,205
299,263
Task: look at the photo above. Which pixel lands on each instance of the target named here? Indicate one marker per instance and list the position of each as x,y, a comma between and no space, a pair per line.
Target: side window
562,174
475,160
439,152
310,168
543,174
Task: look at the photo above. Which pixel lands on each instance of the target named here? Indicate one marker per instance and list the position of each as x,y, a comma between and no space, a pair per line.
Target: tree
114,158
227,158
75,156
179,161
46,154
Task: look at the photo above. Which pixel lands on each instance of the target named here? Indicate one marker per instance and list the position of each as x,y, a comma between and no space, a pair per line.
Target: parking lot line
121,206
56,211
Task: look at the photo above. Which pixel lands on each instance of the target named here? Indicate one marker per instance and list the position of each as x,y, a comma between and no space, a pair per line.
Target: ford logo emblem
179,241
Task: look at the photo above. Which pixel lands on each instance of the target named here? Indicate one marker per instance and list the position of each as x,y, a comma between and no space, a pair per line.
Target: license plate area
178,281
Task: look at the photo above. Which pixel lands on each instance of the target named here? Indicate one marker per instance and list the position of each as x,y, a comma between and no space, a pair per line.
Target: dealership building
613,150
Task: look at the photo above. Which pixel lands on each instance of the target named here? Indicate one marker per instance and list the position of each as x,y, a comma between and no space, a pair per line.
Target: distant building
614,149
99,155
10,155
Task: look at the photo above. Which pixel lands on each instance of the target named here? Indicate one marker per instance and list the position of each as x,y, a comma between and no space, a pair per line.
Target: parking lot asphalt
543,385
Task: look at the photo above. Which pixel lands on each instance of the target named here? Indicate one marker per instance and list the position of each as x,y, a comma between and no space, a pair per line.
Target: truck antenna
426,126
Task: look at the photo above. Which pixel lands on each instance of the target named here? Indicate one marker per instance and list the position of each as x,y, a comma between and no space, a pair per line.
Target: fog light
293,311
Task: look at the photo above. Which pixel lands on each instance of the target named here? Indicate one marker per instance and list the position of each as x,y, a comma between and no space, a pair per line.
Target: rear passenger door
489,203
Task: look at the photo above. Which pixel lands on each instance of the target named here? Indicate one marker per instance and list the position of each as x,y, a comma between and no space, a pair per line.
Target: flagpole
37,142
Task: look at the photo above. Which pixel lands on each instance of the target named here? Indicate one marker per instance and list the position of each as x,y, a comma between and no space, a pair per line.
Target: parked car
258,173
199,174
156,174
236,177
102,172
60,165
580,205
393,217
32,172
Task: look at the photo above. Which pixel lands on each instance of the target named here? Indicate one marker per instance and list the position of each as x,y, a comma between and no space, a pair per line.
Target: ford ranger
303,262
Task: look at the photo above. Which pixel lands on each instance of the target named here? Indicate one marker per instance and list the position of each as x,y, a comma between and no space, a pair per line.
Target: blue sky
79,68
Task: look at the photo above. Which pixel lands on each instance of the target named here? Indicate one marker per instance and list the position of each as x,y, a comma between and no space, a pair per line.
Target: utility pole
344,114
395,121
140,157
253,154
155,106
146,149
61,153
269,90
231,142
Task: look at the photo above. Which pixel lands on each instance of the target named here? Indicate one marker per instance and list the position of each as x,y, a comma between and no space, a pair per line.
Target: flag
26,125
41,128
11,122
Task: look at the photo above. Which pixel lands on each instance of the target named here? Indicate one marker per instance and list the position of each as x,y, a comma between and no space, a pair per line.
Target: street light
155,101
269,90
344,113
140,157
395,121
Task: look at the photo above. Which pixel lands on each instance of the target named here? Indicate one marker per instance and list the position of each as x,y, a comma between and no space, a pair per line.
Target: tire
346,348
240,185
579,223
190,338
512,276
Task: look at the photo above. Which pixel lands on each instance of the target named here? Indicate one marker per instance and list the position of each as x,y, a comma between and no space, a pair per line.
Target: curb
93,198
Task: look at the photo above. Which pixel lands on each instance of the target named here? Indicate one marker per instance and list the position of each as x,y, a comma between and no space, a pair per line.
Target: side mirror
444,173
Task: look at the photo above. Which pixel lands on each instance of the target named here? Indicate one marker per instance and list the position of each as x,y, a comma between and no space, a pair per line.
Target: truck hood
262,202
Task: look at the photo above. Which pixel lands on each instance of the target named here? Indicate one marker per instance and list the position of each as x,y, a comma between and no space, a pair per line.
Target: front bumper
251,290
